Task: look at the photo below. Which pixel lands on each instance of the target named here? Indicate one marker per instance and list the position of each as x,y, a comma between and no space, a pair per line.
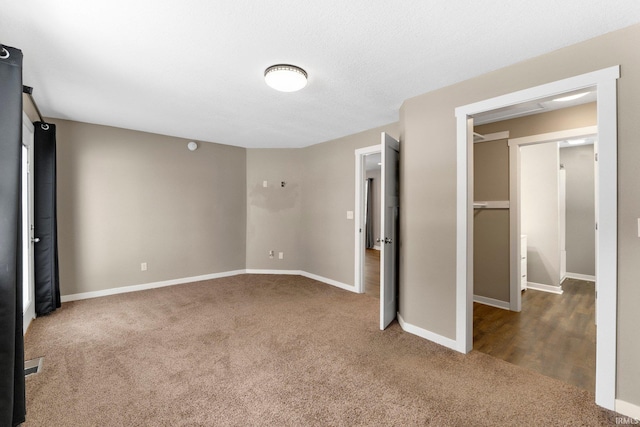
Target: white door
389,230
562,210
28,304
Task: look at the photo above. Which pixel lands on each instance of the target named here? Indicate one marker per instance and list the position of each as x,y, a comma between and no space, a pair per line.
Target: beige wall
127,197
581,245
274,212
539,214
491,263
329,177
428,191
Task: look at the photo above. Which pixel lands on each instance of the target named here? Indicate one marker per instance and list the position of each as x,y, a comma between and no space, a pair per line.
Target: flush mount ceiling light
285,78
571,97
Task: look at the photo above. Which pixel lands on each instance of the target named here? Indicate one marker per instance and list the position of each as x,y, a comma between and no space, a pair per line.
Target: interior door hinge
596,156
596,226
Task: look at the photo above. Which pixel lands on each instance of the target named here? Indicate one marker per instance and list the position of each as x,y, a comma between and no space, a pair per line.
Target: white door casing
28,312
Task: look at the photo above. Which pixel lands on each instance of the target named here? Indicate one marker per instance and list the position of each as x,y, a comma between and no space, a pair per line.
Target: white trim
271,271
359,215
515,233
605,80
492,137
542,91
492,302
607,244
328,281
331,282
144,287
545,288
628,409
28,312
26,322
26,122
428,335
377,248
464,234
554,136
578,276
514,194
173,282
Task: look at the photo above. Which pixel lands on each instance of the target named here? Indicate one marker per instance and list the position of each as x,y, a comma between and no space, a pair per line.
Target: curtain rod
28,90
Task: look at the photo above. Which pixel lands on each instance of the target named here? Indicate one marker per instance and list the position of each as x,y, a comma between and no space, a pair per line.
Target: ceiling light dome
285,78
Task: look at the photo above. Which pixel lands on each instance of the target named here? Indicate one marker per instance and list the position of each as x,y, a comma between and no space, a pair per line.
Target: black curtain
12,393
369,214
47,281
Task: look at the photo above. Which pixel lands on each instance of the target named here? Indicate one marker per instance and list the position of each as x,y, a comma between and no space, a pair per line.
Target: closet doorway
554,199
604,82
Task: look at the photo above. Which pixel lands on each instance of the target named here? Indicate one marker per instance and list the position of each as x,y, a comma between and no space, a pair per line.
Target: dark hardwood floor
553,334
372,273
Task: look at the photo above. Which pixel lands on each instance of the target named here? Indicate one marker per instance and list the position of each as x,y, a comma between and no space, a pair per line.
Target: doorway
389,150
372,225
604,81
554,333
28,303
539,212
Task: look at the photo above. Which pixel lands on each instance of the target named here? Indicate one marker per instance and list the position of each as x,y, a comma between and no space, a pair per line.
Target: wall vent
33,366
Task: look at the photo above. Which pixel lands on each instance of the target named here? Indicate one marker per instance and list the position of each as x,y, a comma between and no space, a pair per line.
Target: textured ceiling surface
194,68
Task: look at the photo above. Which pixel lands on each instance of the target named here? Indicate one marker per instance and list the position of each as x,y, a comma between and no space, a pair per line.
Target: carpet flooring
272,350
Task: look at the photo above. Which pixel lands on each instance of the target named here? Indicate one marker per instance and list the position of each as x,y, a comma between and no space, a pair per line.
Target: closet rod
491,204
28,90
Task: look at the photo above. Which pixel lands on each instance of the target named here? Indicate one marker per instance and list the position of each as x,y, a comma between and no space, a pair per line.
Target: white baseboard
266,271
492,302
154,285
331,282
545,288
628,409
428,335
377,248
145,286
579,276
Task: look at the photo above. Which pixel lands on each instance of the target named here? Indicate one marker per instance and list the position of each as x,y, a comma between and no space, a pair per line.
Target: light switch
349,214
264,184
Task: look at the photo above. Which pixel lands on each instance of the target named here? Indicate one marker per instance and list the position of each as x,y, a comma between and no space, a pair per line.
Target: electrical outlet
143,266
271,254
280,255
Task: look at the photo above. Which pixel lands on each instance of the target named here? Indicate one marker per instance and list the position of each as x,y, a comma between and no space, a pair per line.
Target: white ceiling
194,68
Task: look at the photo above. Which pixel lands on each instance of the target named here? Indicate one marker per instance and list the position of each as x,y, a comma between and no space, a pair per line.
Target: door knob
35,239
387,240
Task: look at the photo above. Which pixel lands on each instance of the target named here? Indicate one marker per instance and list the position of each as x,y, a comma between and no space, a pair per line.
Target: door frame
28,312
360,154
605,82
515,219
